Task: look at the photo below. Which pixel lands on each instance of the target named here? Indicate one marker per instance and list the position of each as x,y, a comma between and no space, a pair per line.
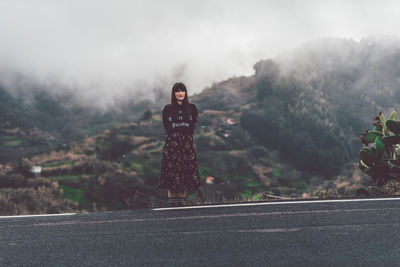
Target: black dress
179,161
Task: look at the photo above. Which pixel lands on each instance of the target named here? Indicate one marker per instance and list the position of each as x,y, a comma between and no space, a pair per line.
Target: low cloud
103,50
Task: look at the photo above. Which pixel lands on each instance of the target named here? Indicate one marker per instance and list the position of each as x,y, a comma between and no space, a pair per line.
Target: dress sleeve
166,119
195,114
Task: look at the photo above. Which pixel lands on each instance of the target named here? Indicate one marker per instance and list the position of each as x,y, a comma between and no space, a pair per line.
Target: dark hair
179,87
185,102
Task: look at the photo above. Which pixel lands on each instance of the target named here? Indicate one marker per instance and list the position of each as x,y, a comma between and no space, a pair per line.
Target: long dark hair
185,102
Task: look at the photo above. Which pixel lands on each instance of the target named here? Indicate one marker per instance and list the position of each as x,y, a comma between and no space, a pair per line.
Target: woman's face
180,95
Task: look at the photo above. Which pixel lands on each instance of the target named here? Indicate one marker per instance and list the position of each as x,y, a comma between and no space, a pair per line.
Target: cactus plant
380,156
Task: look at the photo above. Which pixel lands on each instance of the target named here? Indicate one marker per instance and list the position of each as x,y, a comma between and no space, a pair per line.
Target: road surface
306,233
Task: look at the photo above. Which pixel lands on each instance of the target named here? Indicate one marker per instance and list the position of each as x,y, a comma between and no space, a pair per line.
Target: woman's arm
195,114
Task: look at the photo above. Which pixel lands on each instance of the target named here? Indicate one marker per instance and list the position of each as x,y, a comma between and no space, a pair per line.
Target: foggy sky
102,49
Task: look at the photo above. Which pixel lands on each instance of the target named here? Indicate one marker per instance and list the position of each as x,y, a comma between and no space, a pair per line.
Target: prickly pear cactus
380,155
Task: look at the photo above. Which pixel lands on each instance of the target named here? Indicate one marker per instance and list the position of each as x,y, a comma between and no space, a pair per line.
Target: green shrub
380,156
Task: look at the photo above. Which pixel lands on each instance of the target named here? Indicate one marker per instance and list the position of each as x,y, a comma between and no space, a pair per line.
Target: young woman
179,171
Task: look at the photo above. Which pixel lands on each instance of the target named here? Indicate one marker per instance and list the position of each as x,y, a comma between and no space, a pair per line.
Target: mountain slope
313,104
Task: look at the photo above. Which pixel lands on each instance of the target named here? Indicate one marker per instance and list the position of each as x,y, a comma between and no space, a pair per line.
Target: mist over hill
340,82
291,128
327,83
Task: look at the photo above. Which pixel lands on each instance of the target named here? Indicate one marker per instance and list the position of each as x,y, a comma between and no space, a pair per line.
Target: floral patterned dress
179,161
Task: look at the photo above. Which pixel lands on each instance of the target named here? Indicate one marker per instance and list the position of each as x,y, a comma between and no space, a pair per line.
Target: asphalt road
332,233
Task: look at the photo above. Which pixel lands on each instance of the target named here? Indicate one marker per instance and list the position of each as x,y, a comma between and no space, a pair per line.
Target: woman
179,171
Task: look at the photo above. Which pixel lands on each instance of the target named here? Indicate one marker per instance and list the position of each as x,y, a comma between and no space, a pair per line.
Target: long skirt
179,163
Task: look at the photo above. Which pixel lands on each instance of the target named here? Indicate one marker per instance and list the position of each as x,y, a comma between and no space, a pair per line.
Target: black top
180,119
